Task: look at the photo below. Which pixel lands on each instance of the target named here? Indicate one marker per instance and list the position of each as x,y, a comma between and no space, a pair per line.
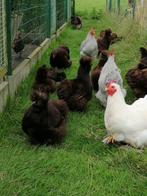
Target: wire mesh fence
73,7
24,25
30,26
3,56
33,21
61,12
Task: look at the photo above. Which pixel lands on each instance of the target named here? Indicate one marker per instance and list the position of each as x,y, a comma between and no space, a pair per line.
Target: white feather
125,122
109,72
89,46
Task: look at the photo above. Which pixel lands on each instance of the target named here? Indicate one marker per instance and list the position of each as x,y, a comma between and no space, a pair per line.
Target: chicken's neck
116,101
106,42
82,74
111,59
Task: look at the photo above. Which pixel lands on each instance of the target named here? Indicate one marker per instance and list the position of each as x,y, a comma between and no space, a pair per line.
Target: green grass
88,6
82,165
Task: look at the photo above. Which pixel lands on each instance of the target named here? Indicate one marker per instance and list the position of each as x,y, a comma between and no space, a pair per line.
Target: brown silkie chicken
76,22
77,92
104,41
60,57
137,77
45,121
43,82
18,45
46,80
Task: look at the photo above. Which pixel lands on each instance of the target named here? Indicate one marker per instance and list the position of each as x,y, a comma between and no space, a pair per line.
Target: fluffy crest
111,53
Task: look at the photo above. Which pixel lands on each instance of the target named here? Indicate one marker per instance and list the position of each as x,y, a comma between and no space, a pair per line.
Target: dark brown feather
60,57
137,77
77,92
45,121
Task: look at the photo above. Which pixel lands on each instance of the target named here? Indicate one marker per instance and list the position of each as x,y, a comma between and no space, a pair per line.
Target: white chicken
89,46
109,72
123,122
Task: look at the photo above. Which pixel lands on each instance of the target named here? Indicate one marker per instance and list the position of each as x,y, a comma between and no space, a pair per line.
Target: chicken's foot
109,140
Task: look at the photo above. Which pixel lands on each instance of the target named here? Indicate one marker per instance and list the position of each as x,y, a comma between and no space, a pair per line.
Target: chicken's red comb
110,53
110,82
92,32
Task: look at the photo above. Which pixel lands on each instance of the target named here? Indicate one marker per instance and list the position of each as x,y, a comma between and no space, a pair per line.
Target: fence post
106,4
118,5
110,5
134,7
66,9
73,7
49,18
8,25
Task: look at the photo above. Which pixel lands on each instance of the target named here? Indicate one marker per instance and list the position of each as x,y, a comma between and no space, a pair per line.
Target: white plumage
127,123
109,72
89,46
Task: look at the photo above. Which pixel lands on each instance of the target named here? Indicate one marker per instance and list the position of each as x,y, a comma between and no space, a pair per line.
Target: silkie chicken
89,46
46,79
137,77
77,92
45,121
18,45
109,72
60,57
107,38
76,22
43,82
125,123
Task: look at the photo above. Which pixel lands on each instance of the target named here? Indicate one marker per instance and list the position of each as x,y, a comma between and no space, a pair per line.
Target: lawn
88,6
82,164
